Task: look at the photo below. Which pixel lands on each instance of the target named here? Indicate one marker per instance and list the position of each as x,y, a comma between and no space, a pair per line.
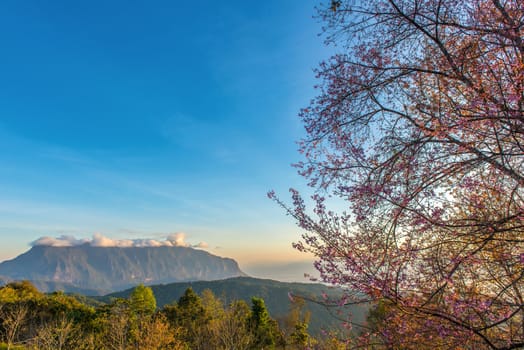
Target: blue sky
138,119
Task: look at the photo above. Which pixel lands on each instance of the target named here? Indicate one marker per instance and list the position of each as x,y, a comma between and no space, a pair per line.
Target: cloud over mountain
98,240
101,264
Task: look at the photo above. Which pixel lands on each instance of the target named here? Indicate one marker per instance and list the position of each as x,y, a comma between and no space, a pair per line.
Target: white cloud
177,239
102,241
201,245
172,240
62,241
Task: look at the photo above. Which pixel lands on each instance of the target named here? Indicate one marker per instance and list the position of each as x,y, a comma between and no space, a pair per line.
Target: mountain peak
115,268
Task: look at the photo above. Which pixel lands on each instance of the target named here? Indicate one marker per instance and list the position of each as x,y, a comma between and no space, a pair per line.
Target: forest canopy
30,319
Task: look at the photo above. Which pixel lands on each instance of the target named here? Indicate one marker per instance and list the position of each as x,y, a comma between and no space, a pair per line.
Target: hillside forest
30,319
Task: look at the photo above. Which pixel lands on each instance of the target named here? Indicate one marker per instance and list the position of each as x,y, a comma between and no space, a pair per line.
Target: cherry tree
418,127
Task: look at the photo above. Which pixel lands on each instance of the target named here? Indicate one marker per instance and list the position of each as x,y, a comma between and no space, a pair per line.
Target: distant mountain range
98,270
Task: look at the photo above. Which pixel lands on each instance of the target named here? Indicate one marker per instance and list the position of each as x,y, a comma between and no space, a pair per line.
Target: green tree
19,290
189,315
190,309
261,325
142,300
142,307
54,321
300,337
295,324
213,305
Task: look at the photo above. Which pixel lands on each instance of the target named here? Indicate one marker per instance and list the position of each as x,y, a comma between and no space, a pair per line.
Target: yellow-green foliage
19,291
4,346
33,320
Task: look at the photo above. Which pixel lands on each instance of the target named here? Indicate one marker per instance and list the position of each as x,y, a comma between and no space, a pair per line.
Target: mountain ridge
276,295
104,269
